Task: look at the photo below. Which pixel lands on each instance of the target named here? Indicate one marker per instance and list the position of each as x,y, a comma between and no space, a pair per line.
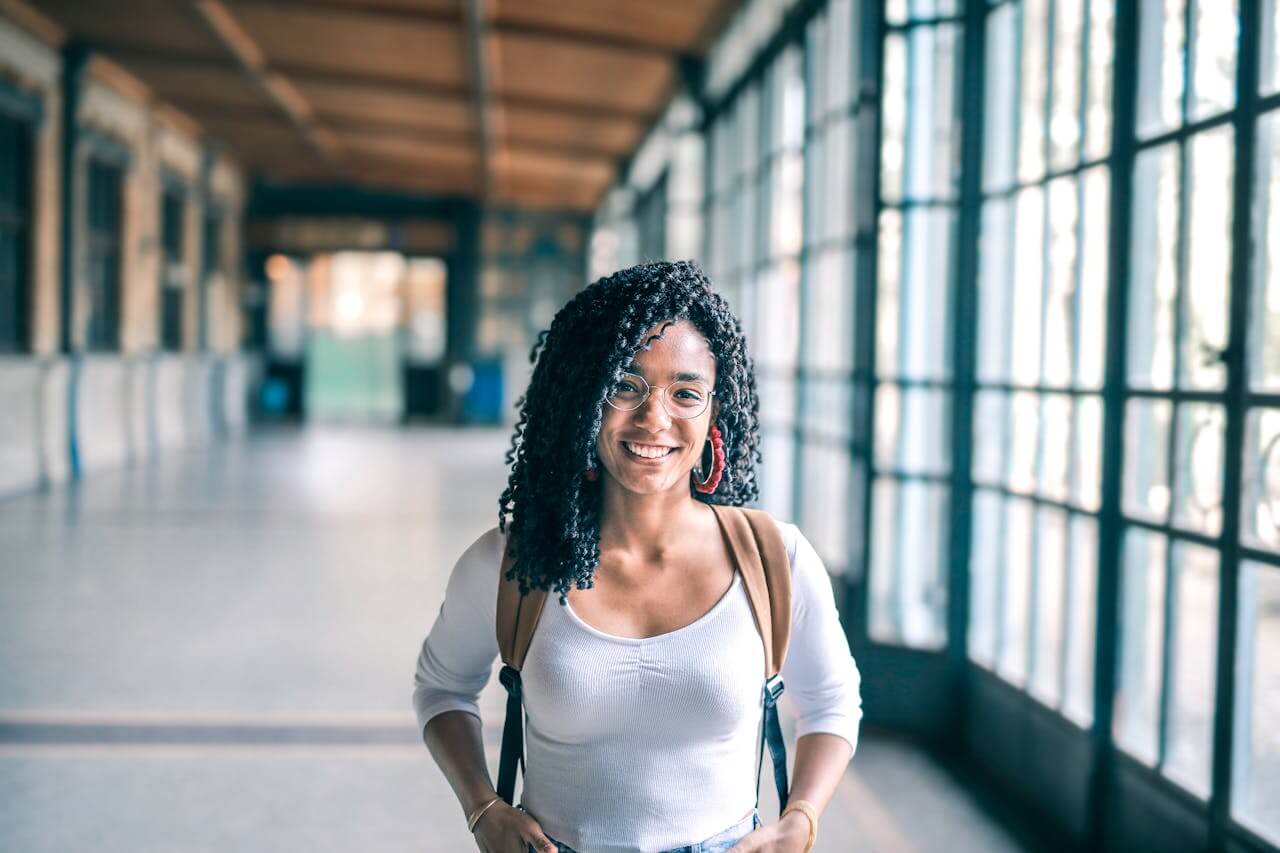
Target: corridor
215,653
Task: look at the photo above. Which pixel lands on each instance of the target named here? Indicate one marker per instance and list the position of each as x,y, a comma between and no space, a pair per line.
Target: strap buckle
510,678
773,688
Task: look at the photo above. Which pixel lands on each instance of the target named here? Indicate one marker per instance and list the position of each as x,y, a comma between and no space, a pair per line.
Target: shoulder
476,571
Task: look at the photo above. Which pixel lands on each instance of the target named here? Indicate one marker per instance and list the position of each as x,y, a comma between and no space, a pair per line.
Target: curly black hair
554,527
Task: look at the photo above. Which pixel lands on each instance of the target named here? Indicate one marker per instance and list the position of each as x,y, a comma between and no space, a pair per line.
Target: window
211,269
173,279
830,477
15,233
912,388
103,251
755,210
1042,294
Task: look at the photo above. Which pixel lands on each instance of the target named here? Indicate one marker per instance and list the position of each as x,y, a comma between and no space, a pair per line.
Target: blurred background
270,272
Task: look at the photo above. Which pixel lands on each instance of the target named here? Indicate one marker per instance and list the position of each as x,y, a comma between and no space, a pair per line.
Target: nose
652,415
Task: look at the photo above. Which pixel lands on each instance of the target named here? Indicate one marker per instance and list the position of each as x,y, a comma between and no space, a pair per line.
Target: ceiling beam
301,74
636,44
477,14
214,16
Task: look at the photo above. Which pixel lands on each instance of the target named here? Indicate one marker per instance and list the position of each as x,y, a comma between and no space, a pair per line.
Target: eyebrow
684,376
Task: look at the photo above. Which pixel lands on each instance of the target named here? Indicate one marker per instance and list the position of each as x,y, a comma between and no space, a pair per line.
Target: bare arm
457,745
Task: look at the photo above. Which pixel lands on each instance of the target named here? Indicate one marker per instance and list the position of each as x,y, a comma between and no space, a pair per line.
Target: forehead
670,348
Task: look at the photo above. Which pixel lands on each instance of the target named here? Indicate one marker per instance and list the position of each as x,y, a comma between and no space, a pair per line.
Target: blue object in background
483,400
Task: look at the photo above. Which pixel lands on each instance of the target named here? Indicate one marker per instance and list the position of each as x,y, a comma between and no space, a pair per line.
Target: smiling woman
641,695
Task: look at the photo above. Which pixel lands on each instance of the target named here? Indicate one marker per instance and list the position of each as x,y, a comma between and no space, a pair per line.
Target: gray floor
214,652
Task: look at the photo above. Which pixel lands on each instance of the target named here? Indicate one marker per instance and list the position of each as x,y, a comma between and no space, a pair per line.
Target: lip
640,460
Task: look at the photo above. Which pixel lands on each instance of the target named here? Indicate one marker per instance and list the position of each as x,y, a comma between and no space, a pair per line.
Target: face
682,349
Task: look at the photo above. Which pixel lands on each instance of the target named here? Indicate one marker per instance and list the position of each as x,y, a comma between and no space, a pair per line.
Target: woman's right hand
505,829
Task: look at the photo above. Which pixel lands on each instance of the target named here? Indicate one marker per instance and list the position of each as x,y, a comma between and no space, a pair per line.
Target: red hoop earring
708,486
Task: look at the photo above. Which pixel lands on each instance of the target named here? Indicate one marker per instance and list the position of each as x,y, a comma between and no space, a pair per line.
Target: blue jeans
718,843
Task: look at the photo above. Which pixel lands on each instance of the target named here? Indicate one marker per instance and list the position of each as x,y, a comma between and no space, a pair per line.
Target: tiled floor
214,652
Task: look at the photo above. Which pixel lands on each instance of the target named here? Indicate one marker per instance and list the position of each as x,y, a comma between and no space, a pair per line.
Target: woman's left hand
789,835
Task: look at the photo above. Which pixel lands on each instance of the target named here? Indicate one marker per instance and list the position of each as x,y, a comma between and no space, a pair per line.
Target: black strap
777,746
512,735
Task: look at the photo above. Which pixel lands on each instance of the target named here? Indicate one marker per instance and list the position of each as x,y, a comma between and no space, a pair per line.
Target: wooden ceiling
527,103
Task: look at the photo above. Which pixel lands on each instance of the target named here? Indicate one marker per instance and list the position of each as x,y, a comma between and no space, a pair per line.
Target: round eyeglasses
680,399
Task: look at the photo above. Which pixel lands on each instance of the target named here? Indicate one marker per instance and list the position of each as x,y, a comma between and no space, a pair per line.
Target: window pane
889,262
1064,122
1257,706
1000,102
1195,647
994,276
1101,56
990,423
912,433
1146,459
1270,46
1050,598
925,344
1059,337
825,503
984,568
1016,596
908,588
829,309
1081,619
931,82
777,448
1029,278
1213,75
1264,336
1086,442
1260,501
1055,446
1198,476
828,405
893,118
1160,77
1091,306
1153,283
1137,708
1204,320
1034,80
1025,408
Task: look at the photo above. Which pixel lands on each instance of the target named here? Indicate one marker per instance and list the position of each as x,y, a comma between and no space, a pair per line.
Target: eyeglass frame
662,398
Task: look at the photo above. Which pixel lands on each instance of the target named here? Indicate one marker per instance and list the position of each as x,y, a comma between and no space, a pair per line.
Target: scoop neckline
715,608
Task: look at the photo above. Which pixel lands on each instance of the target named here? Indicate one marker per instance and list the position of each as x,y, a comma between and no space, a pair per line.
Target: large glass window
913,379
15,233
756,215
831,477
1042,294
1175,416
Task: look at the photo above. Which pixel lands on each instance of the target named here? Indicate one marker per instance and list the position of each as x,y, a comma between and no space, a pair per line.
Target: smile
648,451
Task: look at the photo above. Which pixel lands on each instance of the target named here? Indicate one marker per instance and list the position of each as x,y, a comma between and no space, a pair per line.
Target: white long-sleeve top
642,744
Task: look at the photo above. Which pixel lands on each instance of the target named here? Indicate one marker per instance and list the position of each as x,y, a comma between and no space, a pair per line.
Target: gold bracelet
474,817
805,808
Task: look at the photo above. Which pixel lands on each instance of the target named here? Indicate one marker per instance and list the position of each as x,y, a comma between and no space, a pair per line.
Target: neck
645,524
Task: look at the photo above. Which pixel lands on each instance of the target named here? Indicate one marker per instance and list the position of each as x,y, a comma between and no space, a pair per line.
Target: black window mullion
1236,400
1110,521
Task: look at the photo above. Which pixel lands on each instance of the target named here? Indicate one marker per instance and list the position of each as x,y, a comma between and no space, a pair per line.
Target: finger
540,842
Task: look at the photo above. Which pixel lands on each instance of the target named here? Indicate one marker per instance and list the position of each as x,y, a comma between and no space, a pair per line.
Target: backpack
756,546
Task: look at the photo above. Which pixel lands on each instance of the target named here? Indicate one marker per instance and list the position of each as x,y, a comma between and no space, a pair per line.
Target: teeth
648,451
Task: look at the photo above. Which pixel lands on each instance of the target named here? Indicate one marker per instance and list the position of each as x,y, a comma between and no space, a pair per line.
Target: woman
642,690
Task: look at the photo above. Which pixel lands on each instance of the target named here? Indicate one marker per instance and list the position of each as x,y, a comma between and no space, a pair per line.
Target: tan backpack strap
777,570
517,616
757,547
